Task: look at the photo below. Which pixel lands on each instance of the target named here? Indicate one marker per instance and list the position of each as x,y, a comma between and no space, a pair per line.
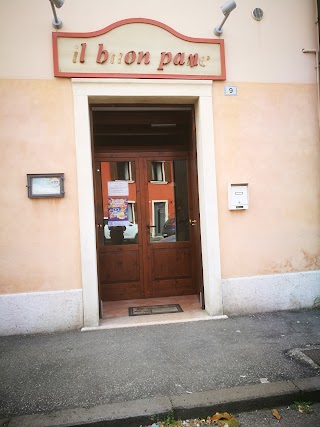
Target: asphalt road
44,373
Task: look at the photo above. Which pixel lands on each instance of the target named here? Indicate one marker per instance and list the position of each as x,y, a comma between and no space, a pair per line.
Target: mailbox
238,196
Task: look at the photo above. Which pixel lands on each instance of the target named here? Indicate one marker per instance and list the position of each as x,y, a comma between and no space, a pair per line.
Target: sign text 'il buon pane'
137,48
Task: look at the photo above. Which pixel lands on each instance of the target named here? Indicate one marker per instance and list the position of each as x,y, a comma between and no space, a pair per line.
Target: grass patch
304,407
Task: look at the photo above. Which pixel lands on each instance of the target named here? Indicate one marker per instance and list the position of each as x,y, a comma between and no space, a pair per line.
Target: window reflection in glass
168,203
160,209
126,230
181,200
157,171
124,171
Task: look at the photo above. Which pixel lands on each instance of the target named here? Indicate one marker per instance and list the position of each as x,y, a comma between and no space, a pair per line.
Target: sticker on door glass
118,211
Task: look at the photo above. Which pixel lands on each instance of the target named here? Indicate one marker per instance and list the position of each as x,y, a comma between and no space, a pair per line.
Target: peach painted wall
39,238
268,136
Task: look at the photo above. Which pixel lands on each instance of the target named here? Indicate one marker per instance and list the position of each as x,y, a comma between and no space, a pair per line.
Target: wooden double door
147,219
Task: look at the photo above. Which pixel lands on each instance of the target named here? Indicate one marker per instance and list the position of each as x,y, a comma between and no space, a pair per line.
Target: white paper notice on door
118,188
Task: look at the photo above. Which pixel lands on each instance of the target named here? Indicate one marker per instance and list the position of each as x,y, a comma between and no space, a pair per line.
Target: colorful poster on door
118,211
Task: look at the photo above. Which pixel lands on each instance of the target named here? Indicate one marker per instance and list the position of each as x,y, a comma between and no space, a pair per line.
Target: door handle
193,221
151,226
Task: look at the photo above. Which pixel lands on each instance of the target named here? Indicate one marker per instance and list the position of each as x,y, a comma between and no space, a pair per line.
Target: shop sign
137,48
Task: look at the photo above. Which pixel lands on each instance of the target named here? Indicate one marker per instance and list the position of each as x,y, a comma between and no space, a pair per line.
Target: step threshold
156,319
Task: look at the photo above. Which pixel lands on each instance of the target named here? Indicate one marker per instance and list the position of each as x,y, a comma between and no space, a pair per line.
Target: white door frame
199,93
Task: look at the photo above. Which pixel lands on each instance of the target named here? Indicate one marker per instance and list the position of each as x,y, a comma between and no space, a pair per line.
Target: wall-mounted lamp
56,22
226,9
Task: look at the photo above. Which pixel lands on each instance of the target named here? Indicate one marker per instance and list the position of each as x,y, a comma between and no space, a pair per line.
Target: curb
146,411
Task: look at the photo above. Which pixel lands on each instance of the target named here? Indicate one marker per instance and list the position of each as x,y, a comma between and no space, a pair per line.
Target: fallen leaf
276,414
226,416
223,416
216,416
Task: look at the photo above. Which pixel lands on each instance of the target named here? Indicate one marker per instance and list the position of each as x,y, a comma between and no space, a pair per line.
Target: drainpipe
318,13
316,53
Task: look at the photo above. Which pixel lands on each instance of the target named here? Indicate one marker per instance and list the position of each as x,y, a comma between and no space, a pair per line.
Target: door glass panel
168,201
119,197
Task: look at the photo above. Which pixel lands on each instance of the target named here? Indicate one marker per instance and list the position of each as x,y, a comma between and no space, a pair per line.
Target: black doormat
154,309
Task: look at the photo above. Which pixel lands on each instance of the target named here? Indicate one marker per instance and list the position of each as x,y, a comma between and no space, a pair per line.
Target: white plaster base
40,312
257,294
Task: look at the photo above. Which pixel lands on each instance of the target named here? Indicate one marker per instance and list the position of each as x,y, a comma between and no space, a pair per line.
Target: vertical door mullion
99,221
144,177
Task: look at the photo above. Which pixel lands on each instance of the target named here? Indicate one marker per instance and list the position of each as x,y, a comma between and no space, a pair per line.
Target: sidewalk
123,376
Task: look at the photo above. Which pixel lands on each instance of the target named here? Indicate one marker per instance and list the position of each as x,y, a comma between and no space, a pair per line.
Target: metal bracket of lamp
226,9
56,22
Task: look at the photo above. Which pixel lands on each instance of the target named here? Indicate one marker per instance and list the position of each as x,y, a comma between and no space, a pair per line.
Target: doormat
154,309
